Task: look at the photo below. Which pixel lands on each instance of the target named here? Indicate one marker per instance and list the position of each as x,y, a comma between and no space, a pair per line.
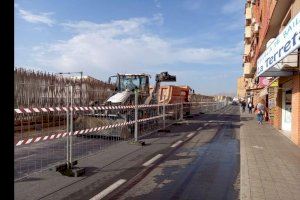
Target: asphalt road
204,166
43,155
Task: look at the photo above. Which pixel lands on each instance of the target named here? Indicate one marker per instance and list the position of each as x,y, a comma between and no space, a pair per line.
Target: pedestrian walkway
270,162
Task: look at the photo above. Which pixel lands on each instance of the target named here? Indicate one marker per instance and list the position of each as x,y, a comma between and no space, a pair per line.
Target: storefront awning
273,83
253,89
282,46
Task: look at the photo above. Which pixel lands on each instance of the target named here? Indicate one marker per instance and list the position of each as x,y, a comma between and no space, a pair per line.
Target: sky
199,41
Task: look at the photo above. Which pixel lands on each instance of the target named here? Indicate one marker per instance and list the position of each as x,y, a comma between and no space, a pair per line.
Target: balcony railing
248,72
248,32
247,49
248,14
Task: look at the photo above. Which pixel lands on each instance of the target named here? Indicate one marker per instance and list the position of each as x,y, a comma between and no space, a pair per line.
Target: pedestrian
243,105
250,106
259,111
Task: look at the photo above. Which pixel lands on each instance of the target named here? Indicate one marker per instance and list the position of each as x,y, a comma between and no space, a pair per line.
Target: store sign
272,98
285,43
274,84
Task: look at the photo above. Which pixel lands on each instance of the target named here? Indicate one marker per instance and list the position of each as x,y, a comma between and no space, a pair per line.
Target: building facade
271,61
241,91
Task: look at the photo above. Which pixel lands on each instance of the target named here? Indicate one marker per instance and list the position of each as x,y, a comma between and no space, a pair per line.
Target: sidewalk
270,162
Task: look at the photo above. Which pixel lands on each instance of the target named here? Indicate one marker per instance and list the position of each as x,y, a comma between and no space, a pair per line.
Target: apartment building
241,91
271,61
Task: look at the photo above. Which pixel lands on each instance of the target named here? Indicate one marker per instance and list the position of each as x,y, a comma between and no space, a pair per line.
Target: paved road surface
206,167
42,155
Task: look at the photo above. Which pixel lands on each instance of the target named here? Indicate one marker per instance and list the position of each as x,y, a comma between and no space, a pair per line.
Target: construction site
155,100
93,113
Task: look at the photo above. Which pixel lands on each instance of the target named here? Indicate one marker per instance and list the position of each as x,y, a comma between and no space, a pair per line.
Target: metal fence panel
43,137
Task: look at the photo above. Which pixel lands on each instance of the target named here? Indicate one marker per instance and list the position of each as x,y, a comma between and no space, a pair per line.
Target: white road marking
190,135
257,147
149,162
108,190
177,143
22,158
198,129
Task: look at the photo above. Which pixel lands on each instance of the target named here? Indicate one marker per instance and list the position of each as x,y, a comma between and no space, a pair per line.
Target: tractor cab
130,82
126,84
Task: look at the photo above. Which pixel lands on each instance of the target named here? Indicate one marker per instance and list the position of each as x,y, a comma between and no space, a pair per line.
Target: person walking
250,106
243,106
260,111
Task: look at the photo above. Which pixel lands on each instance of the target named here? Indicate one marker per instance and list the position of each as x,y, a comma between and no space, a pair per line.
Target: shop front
272,100
286,124
281,61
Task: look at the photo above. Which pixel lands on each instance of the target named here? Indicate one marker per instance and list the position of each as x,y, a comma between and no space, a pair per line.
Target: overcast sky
199,41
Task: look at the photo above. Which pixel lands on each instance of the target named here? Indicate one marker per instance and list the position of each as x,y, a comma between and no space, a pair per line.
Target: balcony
248,72
255,28
248,32
247,49
248,13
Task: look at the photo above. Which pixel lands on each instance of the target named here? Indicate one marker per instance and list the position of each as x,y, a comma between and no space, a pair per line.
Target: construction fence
47,136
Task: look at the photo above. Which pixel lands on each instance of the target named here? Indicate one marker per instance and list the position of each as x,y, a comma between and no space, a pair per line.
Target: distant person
250,107
243,104
260,112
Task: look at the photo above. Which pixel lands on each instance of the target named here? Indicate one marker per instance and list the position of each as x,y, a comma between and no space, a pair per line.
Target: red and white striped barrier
81,108
91,108
76,108
84,131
